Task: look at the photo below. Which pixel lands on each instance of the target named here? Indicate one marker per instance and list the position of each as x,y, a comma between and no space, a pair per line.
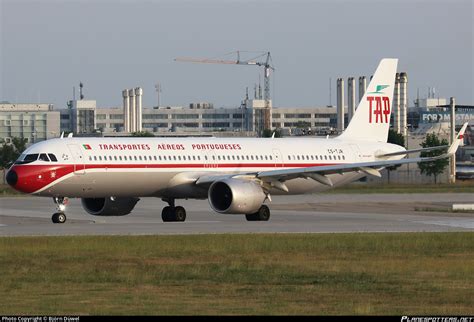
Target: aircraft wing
276,178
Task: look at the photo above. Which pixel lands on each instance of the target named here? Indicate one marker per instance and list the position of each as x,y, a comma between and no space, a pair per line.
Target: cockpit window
28,158
52,157
44,157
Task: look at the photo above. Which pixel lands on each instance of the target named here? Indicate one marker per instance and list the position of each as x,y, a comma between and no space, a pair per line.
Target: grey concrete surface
325,213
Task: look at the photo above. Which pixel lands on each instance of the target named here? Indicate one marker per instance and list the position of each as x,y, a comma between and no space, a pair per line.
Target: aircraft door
277,158
79,166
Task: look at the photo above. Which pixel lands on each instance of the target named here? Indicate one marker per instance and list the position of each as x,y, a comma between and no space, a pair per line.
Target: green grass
406,273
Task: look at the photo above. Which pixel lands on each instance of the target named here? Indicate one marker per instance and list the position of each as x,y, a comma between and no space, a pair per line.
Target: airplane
236,175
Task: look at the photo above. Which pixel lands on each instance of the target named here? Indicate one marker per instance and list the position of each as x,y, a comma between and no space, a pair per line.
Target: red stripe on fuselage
32,177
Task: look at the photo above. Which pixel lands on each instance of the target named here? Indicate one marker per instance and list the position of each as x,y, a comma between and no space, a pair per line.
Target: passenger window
312,157
218,157
95,158
194,157
271,158
100,158
298,157
120,157
343,157
325,157
251,157
90,158
110,157
52,157
199,158
159,157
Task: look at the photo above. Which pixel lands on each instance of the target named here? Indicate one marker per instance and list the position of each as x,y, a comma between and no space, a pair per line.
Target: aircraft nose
12,177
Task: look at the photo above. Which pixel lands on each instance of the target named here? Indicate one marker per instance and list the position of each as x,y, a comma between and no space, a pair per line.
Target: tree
398,139
143,134
9,152
267,133
433,168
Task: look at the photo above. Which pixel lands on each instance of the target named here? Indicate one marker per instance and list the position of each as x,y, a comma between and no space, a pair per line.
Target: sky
48,46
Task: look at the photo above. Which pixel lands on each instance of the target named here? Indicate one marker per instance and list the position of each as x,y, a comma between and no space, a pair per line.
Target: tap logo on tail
378,89
379,109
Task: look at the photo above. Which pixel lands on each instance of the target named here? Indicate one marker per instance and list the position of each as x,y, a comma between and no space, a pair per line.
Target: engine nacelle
109,206
234,196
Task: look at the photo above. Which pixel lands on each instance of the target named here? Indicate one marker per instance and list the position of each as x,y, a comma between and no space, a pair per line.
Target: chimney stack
340,105
138,117
126,111
351,104
133,110
362,87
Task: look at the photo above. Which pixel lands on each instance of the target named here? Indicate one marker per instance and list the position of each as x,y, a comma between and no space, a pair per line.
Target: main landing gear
59,217
172,213
263,214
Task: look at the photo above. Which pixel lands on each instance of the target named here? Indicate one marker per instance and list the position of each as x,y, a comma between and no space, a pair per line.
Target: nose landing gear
59,217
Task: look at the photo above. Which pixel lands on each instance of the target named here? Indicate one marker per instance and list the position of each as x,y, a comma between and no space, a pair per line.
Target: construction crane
262,59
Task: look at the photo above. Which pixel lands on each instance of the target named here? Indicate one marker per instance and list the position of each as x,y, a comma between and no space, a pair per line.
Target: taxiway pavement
323,213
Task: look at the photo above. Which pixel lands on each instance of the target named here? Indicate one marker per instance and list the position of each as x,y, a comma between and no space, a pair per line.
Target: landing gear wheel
251,217
263,214
166,214
179,214
173,214
59,218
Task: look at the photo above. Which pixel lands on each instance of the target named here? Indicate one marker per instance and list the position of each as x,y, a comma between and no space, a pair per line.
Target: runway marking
466,223
3,225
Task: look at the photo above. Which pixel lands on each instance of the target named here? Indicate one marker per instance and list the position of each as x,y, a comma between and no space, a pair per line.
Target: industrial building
34,122
197,118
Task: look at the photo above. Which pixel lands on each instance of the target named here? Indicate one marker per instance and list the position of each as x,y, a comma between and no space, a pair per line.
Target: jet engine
235,196
109,206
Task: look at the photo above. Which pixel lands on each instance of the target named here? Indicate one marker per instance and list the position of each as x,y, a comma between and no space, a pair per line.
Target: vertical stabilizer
371,120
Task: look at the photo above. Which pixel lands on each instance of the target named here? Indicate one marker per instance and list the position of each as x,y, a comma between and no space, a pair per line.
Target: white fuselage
169,167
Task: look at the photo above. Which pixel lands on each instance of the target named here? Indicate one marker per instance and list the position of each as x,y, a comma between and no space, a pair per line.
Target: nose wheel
59,217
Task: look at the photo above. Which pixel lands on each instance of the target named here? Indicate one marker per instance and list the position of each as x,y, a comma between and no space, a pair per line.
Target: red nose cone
12,178
29,178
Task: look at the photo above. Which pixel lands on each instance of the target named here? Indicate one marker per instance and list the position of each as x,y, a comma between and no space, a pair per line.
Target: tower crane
262,59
